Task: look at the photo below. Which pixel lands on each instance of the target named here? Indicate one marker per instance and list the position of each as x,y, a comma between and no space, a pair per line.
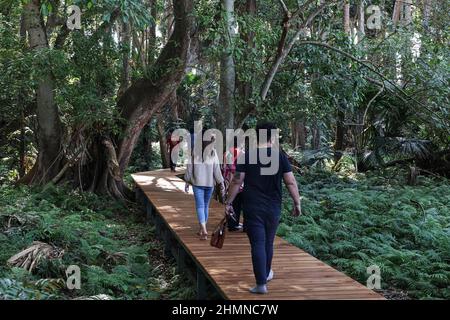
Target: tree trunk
165,156
285,46
426,14
49,161
294,135
167,30
396,12
125,39
20,104
412,176
339,135
22,148
147,144
302,135
347,18
407,12
173,108
358,140
109,156
315,142
145,96
225,112
152,36
361,20
340,114
298,134
245,88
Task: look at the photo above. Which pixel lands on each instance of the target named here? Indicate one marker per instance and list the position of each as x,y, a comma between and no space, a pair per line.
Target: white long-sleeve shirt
204,174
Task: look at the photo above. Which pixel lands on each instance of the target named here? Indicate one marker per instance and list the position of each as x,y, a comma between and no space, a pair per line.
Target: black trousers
237,207
172,164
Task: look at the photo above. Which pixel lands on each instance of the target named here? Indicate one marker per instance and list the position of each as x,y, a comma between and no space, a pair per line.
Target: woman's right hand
186,187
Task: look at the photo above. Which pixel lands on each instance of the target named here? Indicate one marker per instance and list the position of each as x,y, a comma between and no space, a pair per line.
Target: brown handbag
218,236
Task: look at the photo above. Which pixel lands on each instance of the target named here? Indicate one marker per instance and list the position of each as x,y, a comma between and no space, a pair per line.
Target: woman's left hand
186,187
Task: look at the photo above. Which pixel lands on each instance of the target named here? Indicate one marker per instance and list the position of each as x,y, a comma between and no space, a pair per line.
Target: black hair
235,142
204,143
268,126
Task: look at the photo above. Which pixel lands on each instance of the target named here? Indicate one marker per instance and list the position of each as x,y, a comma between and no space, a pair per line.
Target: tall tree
50,157
22,149
225,111
426,14
152,32
145,96
339,136
125,42
396,11
361,20
347,18
290,22
298,131
162,136
245,87
106,155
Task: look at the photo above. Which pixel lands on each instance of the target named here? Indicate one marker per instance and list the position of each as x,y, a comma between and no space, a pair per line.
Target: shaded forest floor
354,221
115,249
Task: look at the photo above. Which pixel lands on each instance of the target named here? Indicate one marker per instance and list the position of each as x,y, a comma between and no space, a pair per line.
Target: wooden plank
298,275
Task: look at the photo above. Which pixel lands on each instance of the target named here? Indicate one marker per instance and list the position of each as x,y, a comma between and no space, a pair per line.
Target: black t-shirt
262,183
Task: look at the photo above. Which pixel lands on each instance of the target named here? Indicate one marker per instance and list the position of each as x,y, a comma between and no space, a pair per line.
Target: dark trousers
261,230
172,164
237,207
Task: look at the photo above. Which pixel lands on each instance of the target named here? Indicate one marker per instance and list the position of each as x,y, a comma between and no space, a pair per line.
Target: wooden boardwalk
298,275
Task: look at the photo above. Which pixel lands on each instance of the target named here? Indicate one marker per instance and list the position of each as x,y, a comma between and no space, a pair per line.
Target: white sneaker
270,276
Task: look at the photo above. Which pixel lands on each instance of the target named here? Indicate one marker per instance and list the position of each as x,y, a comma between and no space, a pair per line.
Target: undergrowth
353,222
115,249
350,222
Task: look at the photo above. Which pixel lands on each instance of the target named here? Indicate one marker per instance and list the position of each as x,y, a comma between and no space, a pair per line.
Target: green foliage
132,11
147,155
13,290
113,247
352,222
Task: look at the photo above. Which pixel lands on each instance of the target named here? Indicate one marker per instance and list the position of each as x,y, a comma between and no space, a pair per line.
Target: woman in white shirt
203,172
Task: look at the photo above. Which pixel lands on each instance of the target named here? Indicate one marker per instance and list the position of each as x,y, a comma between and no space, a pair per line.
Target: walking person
262,197
171,142
203,172
229,169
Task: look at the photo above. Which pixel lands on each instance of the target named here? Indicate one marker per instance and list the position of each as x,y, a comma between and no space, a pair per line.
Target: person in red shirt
172,141
229,169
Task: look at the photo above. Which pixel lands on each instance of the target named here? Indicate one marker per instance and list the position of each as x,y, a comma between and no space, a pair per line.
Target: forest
90,90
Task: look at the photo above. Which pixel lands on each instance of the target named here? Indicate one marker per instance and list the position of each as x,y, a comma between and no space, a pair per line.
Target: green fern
354,223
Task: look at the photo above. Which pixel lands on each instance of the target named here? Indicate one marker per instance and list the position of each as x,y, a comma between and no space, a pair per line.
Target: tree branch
370,103
285,9
285,47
